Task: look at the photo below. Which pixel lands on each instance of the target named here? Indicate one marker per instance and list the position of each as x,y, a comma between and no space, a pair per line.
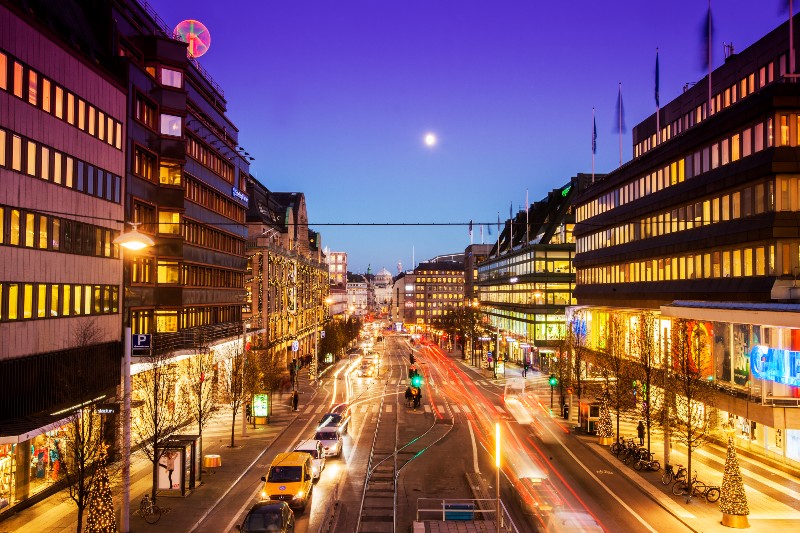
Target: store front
30,464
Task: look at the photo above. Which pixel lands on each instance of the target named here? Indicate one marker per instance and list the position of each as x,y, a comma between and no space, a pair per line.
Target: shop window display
30,467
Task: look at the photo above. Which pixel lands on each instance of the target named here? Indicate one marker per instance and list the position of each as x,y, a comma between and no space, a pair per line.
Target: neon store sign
775,364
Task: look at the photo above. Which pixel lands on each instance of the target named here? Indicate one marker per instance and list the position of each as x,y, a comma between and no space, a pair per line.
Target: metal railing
464,509
194,338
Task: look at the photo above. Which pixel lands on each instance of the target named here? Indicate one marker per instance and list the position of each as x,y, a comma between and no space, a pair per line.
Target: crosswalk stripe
427,408
456,409
320,409
364,408
466,408
375,409
308,408
388,408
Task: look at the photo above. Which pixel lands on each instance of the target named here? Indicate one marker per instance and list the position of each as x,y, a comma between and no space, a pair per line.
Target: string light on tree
101,518
605,431
733,500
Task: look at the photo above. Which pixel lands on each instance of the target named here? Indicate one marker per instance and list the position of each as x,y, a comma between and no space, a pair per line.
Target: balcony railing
194,338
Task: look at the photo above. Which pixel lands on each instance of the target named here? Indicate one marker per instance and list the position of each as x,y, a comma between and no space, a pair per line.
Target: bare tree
233,380
616,368
269,372
79,452
162,411
688,378
647,350
578,349
200,393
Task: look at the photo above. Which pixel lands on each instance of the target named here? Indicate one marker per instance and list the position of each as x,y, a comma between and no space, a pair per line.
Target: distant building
438,291
382,288
473,256
357,295
337,266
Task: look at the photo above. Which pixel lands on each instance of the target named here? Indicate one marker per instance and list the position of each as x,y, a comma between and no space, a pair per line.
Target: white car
331,441
314,449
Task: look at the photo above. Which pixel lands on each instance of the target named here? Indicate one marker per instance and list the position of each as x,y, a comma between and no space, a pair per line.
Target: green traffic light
416,381
553,381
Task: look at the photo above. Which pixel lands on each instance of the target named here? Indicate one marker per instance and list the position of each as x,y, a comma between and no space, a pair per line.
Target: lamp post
133,240
315,359
497,464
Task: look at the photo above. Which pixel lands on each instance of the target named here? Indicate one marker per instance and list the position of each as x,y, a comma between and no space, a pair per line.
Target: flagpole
481,233
511,227
709,58
594,141
791,38
527,221
658,114
620,123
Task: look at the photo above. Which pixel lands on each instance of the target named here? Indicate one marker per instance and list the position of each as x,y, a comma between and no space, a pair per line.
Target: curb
631,477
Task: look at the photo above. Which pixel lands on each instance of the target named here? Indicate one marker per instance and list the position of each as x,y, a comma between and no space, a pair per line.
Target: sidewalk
773,495
58,513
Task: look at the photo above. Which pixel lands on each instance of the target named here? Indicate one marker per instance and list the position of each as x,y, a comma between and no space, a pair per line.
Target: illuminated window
18,72
70,164
81,114
41,301
65,306
167,272
784,131
29,229
169,222
46,90
14,227
43,232
13,301
45,171
91,119
169,174
166,321
118,137
171,78
144,164
71,108
56,244
2,148
87,299
101,125
54,293
31,158
3,71
171,125
16,153
59,102
27,300
33,88
77,299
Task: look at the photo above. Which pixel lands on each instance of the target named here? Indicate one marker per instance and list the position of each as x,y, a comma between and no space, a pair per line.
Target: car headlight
299,495
314,470
264,495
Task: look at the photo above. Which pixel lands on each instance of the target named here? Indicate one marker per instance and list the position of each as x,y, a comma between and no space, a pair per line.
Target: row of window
736,262
728,150
31,229
147,166
161,221
424,279
202,194
26,156
725,98
27,84
209,159
146,112
32,301
749,201
189,275
207,237
171,320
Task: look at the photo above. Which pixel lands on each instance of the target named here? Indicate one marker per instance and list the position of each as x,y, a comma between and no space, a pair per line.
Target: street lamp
133,240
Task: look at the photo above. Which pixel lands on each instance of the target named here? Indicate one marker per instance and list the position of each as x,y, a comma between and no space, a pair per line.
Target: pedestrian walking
525,370
295,399
409,396
640,433
248,412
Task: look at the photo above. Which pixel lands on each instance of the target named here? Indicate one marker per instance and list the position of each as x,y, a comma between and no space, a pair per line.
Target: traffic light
553,381
411,358
416,381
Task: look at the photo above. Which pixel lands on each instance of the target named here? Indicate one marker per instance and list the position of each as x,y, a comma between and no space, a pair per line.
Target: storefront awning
763,314
22,429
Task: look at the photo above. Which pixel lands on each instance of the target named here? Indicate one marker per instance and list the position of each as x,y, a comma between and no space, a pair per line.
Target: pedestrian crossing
452,382
388,408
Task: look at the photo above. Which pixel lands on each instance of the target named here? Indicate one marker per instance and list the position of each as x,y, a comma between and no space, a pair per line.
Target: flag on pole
707,31
620,126
481,233
658,101
470,232
786,5
594,134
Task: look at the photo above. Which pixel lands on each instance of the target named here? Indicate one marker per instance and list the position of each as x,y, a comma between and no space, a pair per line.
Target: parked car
289,479
271,516
331,441
314,449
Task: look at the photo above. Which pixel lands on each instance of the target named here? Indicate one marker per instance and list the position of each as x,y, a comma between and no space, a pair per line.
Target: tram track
388,457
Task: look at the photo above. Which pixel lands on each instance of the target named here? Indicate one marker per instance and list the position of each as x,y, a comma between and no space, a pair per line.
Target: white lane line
456,409
474,449
388,408
597,480
364,408
466,408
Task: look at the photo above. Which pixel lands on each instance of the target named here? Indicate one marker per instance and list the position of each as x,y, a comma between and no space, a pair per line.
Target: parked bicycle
670,474
618,446
649,463
149,510
698,489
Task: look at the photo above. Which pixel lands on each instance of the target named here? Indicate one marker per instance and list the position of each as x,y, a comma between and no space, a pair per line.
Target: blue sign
295,346
239,195
140,341
775,364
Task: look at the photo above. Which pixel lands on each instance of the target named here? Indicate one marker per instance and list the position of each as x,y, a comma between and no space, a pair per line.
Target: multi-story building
526,283
473,256
382,288
704,225
357,295
62,162
186,185
438,291
287,282
402,304
337,264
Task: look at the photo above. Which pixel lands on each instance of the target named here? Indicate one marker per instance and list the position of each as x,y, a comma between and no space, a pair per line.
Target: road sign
322,334
295,346
141,341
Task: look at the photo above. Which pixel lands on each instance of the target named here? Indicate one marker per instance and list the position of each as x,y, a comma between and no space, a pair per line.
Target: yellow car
289,479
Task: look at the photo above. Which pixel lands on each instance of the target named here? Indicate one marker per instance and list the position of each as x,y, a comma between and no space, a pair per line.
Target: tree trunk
200,449
79,527
155,476
233,428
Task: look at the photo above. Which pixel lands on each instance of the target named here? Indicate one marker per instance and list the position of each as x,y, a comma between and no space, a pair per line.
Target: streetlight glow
430,140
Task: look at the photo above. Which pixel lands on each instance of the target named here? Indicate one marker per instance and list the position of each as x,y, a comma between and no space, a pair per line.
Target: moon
430,139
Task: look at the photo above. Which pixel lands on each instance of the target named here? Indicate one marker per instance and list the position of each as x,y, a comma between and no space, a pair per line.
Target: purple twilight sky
334,98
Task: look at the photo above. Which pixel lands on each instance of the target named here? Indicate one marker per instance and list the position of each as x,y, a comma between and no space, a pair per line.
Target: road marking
388,408
456,409
320,409
364,408
466,408
597,480
427,408
474,449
